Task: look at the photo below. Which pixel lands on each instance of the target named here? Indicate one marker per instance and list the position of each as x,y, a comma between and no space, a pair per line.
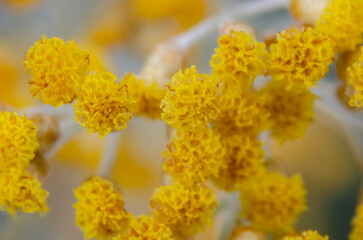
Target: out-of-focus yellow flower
307,235
242,164
290,112
274,203
146,228
186,210
357,225
242,113
147,96
300,59
193,156
238,60
190,99
355,80
20,190
18,141
100,210
103,105
57,70
342,22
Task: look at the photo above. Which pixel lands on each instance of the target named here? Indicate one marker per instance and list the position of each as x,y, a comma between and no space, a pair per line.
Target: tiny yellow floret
357,225
18,141
146,228
307,235
190,99
342,22
274,203
103,105
300,59
100,210
147,96
193,156
242,164
238,60
57,70
186,210
355,81
21,191
290,112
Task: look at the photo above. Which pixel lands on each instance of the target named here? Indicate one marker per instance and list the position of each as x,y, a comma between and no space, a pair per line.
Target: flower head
307,235
355,80
238,60
185,210
300,59
193,156
147,96
342,22
146,228
18,141
357,225
274,203
20,190
57,70
242,164
190,99
100,210
290,112
103,105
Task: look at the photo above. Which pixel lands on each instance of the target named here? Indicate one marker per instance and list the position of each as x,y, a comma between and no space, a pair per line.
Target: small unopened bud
229,26
48,131
307,12
246,233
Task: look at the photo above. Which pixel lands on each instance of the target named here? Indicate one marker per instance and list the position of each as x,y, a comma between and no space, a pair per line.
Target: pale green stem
110,151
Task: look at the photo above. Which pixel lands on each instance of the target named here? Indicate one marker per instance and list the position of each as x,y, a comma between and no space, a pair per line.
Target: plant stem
109,154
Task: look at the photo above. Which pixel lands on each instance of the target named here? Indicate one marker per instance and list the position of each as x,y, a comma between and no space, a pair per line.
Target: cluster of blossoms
216,120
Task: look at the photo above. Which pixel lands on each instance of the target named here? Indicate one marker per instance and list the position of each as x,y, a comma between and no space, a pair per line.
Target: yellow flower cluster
274,203
103,105
193,156
300,59
357,225
290,112
186,210
18,143
20,190
57,70
355,80
100,210
342,23
307,235
147,97
238,60
190,99
146,228
243,162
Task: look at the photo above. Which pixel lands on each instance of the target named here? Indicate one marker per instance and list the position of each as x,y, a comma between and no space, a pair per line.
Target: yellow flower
274,203
300,59
357,225
290,112
238,60
100,210
147,97
193,156
103,105
186,210
190,99
146,228
20,190
57,70
18,141
342,22
307,235
242,164
355,80
242,113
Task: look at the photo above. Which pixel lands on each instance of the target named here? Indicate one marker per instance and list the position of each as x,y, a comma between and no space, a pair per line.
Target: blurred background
120,35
